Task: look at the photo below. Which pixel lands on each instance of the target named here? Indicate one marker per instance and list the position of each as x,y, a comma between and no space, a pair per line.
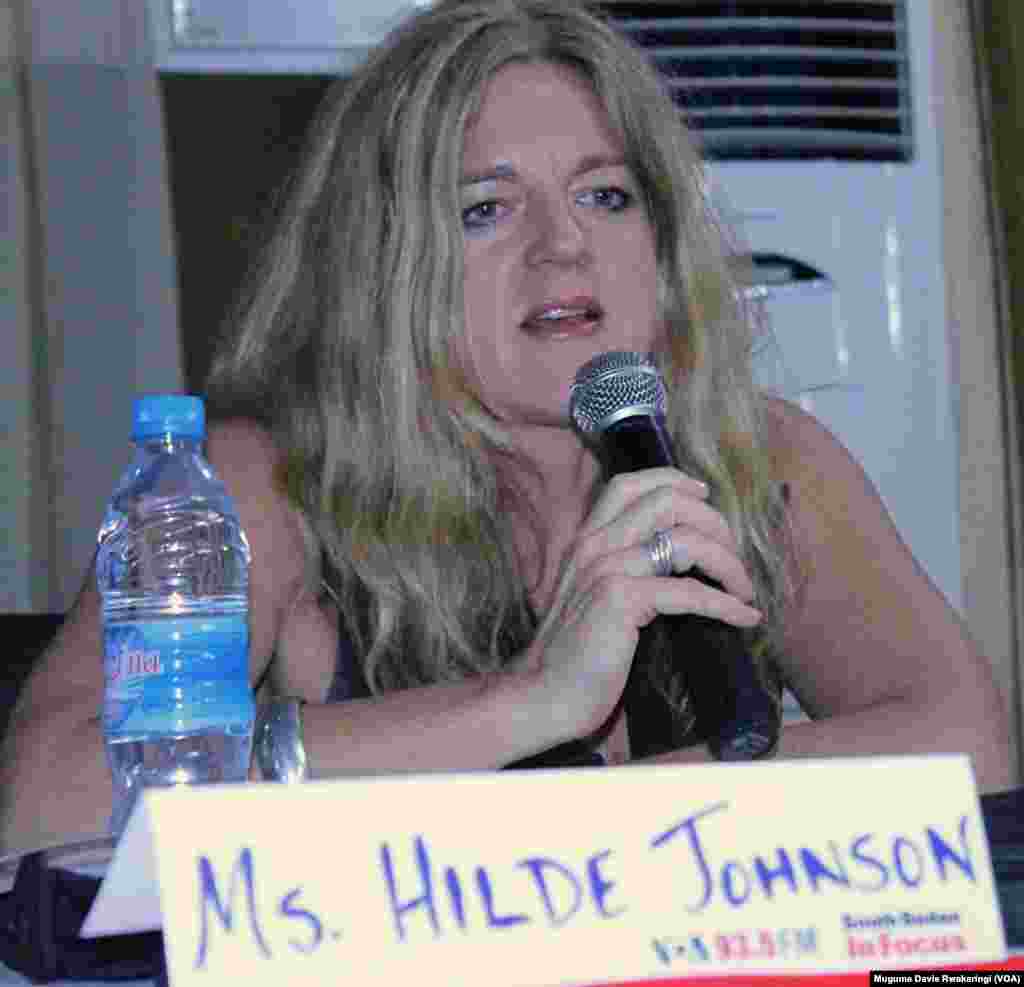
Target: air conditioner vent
782,79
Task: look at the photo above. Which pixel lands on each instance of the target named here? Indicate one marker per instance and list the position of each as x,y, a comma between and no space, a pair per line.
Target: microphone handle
736,714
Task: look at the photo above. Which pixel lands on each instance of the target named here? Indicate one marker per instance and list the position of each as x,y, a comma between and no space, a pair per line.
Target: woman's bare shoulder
832,504
794,437
869,623
242,446
820,474
247,459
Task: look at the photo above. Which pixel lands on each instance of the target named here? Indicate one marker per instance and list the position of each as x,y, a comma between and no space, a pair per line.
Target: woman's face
554,225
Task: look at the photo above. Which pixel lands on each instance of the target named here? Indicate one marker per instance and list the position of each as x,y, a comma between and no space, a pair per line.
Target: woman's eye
480,216
483,215
611,197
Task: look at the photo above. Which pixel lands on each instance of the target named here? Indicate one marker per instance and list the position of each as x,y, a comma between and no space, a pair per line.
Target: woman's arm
54,778
872,650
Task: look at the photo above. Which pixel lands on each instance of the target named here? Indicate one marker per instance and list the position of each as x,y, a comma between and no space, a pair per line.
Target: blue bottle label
177,675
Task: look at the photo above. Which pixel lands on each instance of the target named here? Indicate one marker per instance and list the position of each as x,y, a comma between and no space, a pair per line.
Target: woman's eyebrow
502,169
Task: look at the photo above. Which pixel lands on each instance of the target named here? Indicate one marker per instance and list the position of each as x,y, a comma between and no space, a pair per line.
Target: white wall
96,218
990,471
23,527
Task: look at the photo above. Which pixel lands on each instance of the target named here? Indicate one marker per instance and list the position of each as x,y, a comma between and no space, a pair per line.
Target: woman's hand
607,590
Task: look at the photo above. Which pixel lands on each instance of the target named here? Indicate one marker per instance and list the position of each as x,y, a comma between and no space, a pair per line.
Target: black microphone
618,402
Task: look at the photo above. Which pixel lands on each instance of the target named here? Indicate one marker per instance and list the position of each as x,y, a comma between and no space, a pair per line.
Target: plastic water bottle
173,571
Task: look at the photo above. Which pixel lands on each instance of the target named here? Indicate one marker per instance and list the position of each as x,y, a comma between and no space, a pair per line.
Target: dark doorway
232,139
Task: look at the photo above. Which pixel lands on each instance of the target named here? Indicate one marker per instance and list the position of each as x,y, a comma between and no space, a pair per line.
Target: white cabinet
874,358
304,36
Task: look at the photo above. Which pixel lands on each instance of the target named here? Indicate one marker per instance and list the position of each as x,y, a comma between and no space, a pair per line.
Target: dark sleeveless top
349,681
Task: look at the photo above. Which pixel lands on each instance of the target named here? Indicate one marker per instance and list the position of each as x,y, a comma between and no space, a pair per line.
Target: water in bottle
173,572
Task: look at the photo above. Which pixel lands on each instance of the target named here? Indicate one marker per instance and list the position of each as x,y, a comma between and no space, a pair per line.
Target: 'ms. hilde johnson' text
427,897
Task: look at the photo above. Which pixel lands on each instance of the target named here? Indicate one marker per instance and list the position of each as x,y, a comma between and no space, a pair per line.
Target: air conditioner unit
256,36
818,124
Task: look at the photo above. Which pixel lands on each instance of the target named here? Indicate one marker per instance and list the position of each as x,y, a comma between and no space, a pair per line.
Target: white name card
588,876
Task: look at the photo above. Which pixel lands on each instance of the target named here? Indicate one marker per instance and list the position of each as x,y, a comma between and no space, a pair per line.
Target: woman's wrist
547,721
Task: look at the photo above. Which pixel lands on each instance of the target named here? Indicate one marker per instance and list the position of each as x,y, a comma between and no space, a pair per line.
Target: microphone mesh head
613,386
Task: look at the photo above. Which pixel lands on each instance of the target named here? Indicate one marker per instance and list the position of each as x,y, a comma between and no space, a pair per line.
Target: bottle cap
159,414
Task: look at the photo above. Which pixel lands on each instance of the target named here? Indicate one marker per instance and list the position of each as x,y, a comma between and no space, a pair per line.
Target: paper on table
130,890
528,879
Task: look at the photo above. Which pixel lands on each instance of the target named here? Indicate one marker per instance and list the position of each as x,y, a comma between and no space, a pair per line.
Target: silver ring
660,549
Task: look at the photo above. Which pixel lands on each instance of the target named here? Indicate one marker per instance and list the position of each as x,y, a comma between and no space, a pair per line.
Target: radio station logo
127,659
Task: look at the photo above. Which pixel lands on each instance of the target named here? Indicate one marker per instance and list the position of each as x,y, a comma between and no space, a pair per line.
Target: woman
503,192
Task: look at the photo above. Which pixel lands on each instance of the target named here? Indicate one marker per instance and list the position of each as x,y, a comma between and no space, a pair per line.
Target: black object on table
1004,824
24,636
40,918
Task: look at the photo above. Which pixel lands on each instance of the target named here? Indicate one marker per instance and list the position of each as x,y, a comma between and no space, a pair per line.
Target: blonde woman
502,192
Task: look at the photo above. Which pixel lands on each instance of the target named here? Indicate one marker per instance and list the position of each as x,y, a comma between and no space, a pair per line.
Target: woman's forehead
528,106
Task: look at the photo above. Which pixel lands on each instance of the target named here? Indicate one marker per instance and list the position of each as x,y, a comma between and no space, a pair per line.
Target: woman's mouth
564,321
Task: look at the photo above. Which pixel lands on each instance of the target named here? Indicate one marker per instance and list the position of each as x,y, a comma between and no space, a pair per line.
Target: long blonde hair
342,342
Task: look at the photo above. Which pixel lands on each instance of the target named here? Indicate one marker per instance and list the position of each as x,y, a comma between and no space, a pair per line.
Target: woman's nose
557,235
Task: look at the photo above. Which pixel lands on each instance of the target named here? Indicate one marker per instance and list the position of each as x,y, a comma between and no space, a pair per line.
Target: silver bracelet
277,741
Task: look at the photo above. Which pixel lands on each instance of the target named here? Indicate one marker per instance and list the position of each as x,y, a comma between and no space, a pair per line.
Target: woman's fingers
640,599
666,501
624,489
690,550
584,647
690,596
662,507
